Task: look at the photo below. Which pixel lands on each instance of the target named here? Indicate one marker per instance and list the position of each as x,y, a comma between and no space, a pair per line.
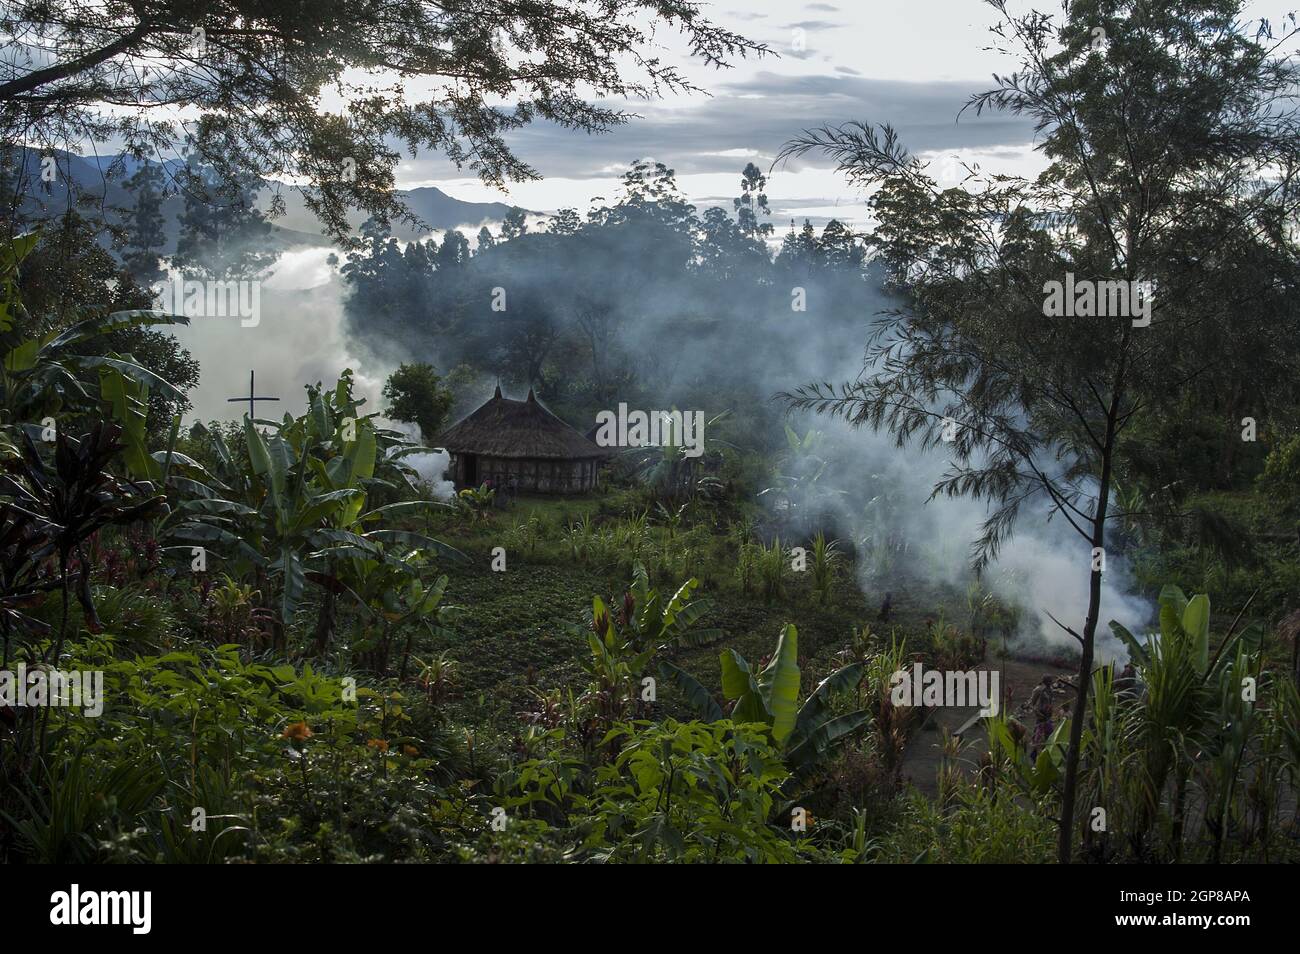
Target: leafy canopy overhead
325,92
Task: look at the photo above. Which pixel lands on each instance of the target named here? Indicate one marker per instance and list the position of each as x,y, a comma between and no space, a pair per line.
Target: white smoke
432,467
302,337
883,496
298,339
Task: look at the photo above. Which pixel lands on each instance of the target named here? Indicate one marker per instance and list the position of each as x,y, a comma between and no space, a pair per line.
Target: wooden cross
252,398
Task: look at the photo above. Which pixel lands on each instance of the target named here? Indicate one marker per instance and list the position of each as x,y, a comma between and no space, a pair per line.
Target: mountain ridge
101,178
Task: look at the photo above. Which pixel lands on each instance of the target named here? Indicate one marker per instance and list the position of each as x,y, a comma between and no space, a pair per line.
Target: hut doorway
471,470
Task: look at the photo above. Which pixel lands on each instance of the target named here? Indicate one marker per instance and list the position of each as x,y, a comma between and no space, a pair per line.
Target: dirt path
924,754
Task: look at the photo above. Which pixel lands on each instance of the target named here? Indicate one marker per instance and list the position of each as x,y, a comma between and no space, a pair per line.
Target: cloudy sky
911,63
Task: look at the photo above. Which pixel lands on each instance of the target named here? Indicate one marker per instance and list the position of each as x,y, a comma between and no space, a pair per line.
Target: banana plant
807,734
623,644
128,401
70,493
667,622
49,375
667,469
1035,777
801,467
1191,709
46,375
393,593
295,509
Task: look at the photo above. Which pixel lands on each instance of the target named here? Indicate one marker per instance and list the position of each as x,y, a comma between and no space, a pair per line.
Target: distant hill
94,183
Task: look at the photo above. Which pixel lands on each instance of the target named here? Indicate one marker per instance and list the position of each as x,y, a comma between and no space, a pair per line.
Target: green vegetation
285,649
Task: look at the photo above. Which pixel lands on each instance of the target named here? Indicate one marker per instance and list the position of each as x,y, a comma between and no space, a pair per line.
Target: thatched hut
520,446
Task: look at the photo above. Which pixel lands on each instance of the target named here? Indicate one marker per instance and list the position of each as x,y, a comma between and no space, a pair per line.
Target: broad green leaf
1137,652
818,743
116,321
402,507
361,452
130,369
750,708
778,683
419,541
817,704
736,677
698,697
257,452
22,357
1172,605
1196,623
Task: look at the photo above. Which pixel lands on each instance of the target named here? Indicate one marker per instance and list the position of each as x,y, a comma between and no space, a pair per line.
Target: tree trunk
1070,786
58,646
1066,833
325,621
406,655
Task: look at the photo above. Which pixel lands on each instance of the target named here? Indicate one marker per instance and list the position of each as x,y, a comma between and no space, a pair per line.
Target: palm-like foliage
624,642
797,488
60,500
1194,714
826,557
667,470
56,374
293,510
806,734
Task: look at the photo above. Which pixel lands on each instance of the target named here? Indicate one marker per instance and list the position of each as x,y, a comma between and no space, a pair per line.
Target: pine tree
223,234
145,230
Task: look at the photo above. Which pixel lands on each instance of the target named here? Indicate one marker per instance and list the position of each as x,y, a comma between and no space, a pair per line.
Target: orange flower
297,731
411,750
380,744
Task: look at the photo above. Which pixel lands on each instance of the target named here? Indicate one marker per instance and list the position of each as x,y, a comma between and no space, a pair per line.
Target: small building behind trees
520,446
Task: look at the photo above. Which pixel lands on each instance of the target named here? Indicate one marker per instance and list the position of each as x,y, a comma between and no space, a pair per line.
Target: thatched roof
517,429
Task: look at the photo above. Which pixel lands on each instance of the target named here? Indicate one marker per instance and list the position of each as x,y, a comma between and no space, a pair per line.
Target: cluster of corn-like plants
826,557
772,569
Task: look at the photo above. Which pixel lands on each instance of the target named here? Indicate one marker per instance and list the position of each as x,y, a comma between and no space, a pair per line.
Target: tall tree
752,202
265,67
223,234
453,252
145,229
564,222
416,395
1173,146
514,224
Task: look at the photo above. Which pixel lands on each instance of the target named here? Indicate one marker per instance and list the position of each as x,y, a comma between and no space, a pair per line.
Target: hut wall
536,475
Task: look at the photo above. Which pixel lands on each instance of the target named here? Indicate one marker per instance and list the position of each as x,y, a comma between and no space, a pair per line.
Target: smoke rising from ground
300,337
431,467
663,337
883,492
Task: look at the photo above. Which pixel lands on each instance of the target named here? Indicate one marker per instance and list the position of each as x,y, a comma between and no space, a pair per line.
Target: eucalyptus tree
1040,318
